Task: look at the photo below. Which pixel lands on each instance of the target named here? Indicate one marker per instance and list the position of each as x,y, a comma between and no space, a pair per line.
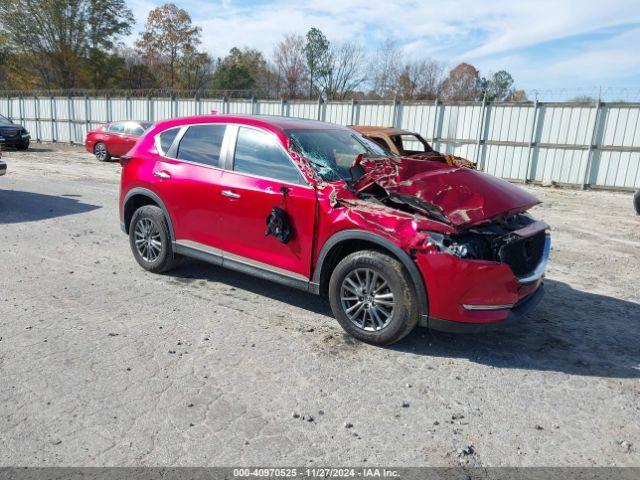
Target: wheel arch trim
405,259
145,192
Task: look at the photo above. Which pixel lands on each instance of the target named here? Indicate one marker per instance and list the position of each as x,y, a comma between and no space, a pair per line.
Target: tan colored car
409,144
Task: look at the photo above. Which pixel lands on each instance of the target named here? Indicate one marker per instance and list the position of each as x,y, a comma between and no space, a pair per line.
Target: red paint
200,213
118,143
242,221
464,196
452,282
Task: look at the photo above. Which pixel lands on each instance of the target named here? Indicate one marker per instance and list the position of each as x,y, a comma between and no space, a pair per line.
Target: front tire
101,152
150,240
373,297
23,146
636,202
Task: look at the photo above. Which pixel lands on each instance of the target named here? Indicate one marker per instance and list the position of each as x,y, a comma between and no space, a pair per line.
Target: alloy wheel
367,299
147,240
101,151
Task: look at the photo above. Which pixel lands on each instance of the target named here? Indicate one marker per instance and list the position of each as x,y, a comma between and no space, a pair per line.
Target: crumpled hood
461,197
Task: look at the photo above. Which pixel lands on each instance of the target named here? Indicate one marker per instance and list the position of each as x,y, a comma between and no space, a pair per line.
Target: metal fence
583,144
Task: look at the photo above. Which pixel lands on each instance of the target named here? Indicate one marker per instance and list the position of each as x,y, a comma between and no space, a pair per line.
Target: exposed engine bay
487,216
518,241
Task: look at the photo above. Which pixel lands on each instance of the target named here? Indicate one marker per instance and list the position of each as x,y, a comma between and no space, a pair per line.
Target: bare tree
421,80
583,99
517,96
344,71
429,75
291,64
168,34
387,68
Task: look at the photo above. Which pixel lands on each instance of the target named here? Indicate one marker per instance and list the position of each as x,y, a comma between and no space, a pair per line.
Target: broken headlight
464,246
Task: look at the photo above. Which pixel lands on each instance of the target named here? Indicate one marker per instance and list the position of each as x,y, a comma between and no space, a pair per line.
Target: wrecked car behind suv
409,144
392,242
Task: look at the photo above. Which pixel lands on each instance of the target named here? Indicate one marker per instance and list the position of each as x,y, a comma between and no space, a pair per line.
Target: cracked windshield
331,152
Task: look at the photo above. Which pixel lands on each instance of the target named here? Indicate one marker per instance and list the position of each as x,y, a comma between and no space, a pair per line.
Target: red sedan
392,242
114,139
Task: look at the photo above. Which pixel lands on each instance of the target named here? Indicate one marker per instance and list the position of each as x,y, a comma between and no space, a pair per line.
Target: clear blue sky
544,44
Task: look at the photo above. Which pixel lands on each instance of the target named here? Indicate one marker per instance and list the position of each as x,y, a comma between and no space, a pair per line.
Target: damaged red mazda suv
392,242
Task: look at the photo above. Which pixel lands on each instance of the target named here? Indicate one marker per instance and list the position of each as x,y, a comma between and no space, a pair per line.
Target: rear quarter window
166,139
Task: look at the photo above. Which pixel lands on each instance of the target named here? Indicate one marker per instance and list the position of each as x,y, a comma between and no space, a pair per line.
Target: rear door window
258,154
202,144
133,128
116,128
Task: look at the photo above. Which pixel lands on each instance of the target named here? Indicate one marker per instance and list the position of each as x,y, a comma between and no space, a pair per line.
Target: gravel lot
103,364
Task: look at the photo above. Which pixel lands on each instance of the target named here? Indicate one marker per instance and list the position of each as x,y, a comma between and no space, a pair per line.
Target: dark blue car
14,135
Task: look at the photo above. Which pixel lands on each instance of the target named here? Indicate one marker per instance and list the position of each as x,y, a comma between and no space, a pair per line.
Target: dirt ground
104,364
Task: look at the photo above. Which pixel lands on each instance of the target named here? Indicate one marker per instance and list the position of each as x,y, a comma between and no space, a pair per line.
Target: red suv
391,241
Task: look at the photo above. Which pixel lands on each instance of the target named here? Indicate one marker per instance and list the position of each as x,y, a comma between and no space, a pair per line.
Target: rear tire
373,297
636,202
101,152
150,240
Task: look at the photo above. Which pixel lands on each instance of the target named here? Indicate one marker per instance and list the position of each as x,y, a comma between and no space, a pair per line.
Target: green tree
195,69
54,38
106,20
134,73
244,69
4,51
168,34
497,87
316,50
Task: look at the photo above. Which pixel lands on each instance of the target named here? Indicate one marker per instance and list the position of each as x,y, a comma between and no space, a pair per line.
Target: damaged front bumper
478,295
516,311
